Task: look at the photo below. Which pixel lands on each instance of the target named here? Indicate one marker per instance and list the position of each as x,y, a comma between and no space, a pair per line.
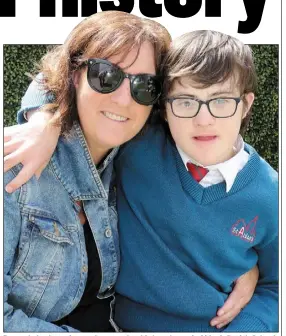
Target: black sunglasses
105,77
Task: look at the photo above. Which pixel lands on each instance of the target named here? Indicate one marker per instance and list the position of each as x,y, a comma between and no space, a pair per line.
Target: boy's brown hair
209,57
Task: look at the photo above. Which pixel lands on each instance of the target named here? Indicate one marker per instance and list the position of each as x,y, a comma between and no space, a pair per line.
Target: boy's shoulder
266,171
266,183
151,133
151,139
263,194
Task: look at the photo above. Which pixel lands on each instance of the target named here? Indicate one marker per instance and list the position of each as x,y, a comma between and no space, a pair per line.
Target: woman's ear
248,101
76,78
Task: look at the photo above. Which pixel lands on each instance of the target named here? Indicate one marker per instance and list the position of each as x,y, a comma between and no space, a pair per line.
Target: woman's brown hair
101,35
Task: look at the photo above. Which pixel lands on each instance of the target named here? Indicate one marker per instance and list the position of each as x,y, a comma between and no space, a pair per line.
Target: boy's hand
32,144
238,298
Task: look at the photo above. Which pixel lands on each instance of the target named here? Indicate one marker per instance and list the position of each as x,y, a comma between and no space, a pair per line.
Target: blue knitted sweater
183,246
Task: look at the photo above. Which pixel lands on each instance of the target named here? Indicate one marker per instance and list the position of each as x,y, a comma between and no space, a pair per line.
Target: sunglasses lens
146,89
103,77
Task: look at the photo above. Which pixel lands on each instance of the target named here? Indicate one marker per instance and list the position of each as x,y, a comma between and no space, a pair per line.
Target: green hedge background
263,128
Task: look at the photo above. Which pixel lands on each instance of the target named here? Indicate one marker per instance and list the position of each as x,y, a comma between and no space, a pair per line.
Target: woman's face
109,120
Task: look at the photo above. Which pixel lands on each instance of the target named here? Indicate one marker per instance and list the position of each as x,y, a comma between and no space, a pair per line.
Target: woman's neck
98,154
97,150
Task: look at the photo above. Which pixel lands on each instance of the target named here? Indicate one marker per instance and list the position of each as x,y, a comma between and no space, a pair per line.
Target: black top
91,314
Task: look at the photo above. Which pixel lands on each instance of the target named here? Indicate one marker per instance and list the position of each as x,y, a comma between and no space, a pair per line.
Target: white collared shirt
225,171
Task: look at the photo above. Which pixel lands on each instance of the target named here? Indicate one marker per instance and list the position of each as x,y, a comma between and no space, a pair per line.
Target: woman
108,112
61,240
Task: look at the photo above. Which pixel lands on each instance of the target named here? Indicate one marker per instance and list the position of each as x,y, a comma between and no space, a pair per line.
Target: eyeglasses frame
202,102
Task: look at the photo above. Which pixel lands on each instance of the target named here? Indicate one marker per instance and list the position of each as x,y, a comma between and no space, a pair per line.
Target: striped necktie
197,172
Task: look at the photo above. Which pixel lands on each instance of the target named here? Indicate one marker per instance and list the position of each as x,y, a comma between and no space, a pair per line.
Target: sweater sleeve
34,98
261,313
15,320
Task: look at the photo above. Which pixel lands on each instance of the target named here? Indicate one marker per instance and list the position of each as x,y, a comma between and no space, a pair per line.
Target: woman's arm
261,314
15,320
239,297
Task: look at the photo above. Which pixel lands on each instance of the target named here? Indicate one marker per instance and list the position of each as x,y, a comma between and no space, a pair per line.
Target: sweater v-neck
216,192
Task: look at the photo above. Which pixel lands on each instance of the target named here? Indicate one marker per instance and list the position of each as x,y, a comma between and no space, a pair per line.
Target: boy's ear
248,101
165,116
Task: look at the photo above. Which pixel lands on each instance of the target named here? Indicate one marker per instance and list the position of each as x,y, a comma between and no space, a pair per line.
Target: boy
206,208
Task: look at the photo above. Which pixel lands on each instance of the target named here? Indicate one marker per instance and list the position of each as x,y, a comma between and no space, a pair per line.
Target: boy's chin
204,158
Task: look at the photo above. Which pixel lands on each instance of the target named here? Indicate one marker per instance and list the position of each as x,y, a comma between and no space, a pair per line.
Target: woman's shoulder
7,178
38,190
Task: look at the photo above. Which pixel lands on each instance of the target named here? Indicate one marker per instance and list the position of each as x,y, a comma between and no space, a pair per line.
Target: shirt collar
227,169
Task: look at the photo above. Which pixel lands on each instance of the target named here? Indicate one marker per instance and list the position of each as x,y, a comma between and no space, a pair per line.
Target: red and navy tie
197,172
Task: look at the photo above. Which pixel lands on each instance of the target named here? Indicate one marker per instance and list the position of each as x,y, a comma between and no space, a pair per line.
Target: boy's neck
224,171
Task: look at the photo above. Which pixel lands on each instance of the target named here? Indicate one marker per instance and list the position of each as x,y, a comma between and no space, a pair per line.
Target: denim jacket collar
67,164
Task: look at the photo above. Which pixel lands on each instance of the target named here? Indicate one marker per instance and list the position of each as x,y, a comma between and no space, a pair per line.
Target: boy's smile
205,138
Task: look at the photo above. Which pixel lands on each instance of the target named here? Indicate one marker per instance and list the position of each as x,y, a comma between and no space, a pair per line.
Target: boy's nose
122,95
204,118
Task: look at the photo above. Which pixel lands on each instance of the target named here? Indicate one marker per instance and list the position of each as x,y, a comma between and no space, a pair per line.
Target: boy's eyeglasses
186,107
105,77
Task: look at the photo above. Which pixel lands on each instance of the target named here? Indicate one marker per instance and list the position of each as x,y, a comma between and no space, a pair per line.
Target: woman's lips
205,137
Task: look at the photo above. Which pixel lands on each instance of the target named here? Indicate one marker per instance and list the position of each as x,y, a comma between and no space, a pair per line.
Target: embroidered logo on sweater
245,231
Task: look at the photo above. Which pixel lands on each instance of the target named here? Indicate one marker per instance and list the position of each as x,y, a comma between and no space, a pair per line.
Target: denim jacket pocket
41,251
51,229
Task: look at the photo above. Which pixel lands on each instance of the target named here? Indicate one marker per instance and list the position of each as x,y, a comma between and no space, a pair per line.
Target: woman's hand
238,298
32,144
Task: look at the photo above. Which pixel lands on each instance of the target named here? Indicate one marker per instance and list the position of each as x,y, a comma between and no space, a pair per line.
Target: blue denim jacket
45,259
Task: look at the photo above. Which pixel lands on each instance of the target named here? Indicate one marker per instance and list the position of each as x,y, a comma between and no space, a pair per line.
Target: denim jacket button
84,268
108,233
56,229
109,291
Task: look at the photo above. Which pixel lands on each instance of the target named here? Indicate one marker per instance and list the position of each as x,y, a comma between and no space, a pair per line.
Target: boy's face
204,138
